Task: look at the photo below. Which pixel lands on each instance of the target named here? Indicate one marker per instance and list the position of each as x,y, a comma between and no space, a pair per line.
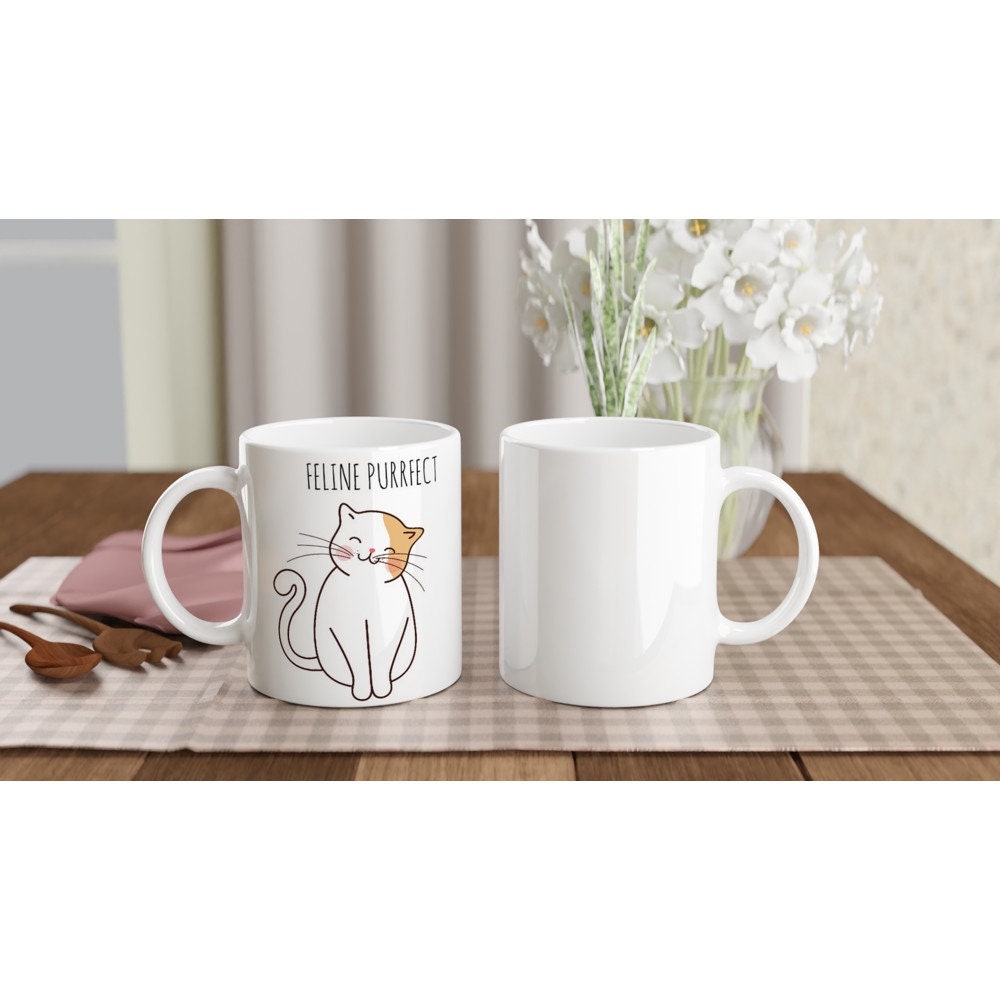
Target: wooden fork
124,647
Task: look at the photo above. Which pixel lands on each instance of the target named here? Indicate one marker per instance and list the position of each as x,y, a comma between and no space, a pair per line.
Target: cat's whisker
400,562
416,555
311,545
406,572
306,555
317,537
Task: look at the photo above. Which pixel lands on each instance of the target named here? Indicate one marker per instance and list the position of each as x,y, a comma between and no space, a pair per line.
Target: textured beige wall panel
915,418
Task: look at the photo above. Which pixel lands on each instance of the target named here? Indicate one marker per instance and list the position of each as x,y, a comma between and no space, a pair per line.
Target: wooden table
67,513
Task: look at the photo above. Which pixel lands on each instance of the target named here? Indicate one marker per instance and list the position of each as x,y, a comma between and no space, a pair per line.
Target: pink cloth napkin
205,573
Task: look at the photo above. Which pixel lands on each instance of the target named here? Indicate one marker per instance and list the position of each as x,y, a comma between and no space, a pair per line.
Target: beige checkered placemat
869,665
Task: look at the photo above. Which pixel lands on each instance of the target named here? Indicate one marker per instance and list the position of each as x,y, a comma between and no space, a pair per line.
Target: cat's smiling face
372,541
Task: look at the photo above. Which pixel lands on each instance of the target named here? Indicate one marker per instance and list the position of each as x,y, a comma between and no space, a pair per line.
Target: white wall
915,418
61,386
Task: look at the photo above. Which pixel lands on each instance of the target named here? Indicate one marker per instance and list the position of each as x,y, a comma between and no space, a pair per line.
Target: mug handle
217,477
743,477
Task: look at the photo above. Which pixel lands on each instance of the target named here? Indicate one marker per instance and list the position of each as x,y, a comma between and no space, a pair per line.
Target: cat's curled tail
290,584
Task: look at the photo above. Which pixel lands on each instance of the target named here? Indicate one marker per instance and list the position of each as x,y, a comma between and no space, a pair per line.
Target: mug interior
604,433
346,432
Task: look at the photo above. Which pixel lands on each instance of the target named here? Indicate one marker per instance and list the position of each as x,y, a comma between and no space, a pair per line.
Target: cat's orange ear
412,533
347,512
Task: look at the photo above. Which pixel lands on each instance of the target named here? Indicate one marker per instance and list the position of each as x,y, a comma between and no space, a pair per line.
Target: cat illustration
364,627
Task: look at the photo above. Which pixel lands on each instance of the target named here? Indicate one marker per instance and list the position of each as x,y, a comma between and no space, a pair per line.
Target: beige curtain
396,318
170,341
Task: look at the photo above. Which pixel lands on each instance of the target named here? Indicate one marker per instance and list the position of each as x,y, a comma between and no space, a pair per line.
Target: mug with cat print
608,548
352,553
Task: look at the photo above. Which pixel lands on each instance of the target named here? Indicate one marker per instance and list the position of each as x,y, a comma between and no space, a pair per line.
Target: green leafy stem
614,345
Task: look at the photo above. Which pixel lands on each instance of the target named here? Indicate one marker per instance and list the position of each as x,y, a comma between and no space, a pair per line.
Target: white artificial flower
810,288
536,267
732,302
669,256
795,360
713,266
744,290
775,304
797,244
855,286
854,272
667,366
758,245
792,347
582,242
536,283
661,294
819,325
564,357
695,235
687,327
538,326
575,271
734,292
539,248
542,311
862,317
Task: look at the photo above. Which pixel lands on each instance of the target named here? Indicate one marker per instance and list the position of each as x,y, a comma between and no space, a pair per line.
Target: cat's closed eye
354,538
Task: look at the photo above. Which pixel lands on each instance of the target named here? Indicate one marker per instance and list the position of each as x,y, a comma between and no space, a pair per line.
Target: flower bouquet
688,319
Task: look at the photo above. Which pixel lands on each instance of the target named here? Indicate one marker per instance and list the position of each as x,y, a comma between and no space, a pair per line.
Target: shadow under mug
608,555
352,548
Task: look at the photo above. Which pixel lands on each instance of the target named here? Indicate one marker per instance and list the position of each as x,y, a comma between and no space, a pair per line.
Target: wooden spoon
124,647
62,660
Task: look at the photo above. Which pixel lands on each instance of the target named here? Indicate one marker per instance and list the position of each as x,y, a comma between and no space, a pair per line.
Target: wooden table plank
497,766
686,767
184,765
902,766
851,522
480,513
34,507
46,764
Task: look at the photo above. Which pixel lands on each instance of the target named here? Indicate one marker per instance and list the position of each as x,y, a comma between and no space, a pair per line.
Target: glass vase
734,406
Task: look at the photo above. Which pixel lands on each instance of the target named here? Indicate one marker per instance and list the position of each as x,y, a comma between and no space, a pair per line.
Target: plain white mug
352,544
608,549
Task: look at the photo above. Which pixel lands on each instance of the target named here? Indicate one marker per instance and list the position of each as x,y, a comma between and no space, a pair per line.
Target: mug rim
444,432
702,435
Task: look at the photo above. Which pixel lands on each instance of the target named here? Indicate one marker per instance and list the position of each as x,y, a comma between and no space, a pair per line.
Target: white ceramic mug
608,548
352,542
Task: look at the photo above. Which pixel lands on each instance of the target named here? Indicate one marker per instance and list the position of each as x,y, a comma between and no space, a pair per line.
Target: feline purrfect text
387,475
